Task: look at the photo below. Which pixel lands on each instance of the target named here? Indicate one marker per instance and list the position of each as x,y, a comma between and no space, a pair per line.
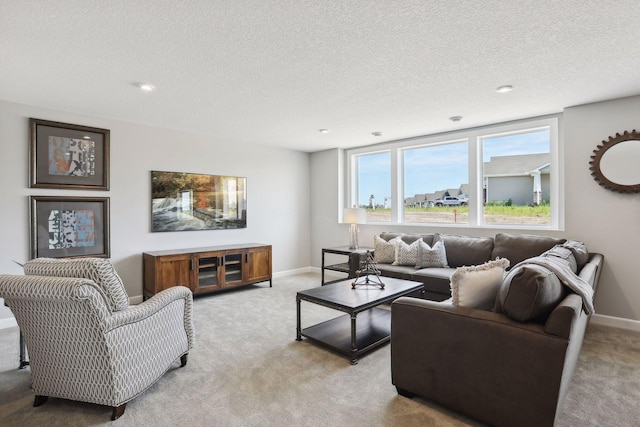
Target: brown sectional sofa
486,364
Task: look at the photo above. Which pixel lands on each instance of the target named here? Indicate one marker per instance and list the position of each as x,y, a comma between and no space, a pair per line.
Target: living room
295,196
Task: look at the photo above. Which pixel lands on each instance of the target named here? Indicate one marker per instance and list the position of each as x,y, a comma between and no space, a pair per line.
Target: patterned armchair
85,342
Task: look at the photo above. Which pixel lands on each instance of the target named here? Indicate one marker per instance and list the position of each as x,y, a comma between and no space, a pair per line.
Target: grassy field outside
493,214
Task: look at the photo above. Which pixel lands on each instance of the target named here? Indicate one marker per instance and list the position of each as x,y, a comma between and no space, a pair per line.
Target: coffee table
344,334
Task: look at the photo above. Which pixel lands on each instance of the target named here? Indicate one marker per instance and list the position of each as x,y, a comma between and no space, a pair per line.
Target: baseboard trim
616,322
293,272
8,322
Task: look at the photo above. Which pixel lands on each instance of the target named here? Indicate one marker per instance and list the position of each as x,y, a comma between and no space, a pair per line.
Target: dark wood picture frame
63,227
64,155
596,159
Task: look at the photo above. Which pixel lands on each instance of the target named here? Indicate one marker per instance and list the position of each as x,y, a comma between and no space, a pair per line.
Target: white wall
277,191
607,222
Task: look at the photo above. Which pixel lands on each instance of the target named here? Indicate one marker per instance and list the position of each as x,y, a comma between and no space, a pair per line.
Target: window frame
473,136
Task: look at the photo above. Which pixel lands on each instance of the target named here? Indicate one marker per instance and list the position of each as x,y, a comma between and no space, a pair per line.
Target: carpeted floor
248,370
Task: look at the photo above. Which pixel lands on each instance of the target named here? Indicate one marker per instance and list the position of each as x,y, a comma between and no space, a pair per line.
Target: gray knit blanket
561,269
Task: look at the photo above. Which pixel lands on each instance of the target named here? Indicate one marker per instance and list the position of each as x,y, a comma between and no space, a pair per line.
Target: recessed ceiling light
323,130
504,89
86,137
376,133
455,119
147,87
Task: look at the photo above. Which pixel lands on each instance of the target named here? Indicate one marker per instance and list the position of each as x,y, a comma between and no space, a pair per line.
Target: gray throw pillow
431,256
384,252
529,293
406,254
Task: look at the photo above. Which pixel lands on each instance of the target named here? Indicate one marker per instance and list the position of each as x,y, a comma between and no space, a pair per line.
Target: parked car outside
450,201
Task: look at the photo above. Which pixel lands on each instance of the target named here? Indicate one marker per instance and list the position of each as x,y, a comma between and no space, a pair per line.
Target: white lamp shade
354,216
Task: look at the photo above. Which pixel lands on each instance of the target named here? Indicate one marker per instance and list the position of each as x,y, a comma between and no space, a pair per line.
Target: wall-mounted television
188,201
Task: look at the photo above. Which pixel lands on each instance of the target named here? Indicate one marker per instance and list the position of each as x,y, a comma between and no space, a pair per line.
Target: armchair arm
143,341
477,362
153,305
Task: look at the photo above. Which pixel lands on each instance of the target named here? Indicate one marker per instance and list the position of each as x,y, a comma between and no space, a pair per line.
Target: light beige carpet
248,370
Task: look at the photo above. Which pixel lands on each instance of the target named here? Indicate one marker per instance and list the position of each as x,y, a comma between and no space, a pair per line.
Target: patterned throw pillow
407,254
99,270
384,252
478,286
435,256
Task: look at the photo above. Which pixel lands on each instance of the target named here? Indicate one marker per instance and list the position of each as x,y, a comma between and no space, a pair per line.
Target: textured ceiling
275,71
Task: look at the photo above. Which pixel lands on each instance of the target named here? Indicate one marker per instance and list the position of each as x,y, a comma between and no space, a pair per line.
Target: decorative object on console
187,201
69,227
354,216
68,156
614,164
367,269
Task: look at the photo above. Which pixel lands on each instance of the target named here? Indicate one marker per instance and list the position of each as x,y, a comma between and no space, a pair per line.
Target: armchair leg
118,411
405,393
183,360
39,400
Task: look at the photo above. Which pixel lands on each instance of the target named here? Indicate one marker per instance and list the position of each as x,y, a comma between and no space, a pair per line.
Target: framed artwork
68,156
64,227
188,201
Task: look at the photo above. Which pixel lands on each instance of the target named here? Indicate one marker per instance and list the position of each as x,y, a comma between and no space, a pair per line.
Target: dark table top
342,296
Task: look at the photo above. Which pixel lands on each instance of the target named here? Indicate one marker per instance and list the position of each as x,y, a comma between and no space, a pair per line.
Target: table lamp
354,216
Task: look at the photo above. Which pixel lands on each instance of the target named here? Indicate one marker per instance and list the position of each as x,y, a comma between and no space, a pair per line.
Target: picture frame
64,227
183,201
64,155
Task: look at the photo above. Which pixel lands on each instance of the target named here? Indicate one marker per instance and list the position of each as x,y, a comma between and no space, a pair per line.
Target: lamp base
353,236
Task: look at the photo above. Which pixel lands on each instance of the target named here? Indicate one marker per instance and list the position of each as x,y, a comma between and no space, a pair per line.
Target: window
374,185
503,175
434,178
516,178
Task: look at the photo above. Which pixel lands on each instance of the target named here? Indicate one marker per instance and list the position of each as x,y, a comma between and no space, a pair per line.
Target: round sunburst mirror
615,163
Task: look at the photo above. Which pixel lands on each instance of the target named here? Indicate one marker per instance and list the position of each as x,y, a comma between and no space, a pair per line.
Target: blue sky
439,167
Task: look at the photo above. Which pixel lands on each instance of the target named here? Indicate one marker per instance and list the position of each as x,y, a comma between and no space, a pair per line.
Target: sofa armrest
474,361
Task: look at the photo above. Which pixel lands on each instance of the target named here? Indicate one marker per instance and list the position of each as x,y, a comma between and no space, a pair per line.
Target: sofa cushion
397,271
406,254
99,270
428,256
477,286
518,247
384,251
529,293
463,250
579,251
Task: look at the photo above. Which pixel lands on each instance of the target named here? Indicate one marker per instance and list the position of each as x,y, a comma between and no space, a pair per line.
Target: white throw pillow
477,286
384,252
431,256
407,254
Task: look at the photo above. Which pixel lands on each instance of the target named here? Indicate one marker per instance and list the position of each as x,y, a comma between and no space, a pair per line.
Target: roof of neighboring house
521,164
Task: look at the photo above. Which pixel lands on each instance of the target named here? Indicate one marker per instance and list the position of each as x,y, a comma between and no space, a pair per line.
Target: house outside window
503,175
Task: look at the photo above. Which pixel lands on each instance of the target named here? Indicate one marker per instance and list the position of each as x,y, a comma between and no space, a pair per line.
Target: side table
350,267
23,349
